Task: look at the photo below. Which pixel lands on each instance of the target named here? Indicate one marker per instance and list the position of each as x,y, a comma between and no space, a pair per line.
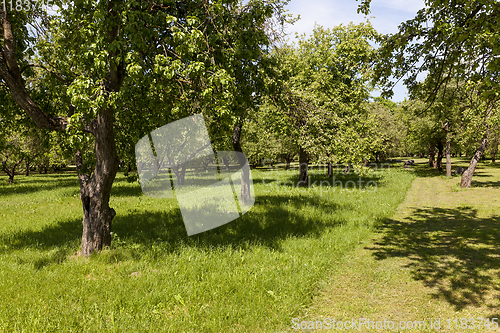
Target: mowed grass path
438,257
252,275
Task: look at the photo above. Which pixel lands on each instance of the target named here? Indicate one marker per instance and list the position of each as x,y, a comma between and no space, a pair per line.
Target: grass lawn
252,275
438,257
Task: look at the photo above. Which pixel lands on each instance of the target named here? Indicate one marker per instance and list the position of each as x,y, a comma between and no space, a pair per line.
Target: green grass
252,275
437,257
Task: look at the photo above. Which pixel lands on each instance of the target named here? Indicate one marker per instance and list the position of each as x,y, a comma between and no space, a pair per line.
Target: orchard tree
494,144
98,56
262,140
446,113
11,153
322,100
389,128
448,40
424,135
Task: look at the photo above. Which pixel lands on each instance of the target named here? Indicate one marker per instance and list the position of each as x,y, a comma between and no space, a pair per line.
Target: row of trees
105,73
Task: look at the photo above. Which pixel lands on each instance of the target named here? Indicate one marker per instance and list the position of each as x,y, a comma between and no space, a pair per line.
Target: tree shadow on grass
55,235
493,184
451,250
267,224
53,244
272,220
37,183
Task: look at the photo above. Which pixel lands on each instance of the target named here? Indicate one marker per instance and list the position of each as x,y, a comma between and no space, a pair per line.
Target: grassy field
252,275
437,258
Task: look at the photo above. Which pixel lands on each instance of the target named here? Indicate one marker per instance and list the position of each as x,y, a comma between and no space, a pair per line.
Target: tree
11,154
448,40
261,141
97,56
322,100
389,127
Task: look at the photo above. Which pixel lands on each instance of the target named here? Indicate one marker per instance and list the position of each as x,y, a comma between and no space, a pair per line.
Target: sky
385,17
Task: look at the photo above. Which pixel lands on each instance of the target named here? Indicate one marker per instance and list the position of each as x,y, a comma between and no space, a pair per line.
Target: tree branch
11,75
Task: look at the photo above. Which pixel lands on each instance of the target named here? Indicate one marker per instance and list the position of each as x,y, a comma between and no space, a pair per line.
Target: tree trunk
245,176
439,159
432,152
12,171
95,190
467,175
303,166
180,174
330,170
494,152
27,173
226,163
448,155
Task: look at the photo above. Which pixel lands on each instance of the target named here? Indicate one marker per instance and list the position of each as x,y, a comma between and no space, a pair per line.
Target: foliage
390,130
321,104
449,40
260,142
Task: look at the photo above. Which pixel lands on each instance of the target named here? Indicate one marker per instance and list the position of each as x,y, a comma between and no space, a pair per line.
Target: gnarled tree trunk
95,190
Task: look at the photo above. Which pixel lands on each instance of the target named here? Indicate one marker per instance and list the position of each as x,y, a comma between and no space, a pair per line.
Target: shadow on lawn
451,250
37,183
274,218
267,224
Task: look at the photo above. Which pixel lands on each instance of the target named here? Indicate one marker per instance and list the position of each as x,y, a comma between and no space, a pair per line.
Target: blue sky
385,16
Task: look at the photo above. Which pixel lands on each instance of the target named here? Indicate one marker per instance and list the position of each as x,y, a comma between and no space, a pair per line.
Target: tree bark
438,164
467,175
494,152
303,168
95,191
245,176
330,170
432,152
448,155
27,173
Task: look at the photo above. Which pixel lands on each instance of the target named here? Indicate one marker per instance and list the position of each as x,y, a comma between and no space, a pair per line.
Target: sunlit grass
438,257
252,275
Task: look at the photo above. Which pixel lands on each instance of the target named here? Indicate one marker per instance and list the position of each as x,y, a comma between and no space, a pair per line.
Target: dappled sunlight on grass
452,250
